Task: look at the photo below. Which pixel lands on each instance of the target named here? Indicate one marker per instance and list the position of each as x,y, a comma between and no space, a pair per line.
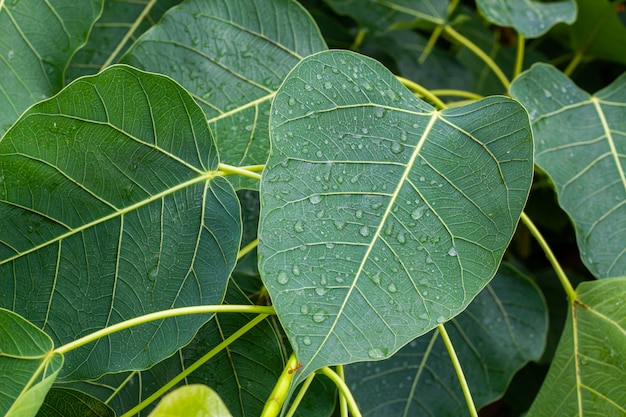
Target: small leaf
72,403
29,365
231,56
191,400
108,193
381,217
504,328
588,373
580,141
33,60
530,18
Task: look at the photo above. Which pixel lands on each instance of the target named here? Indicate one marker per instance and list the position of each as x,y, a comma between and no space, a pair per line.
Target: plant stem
358,40
226,170
567,285
343,389
130,33
423,91
480,53
159,315
459,371
430,45
519,59
279,394
247,249
301,393
457,93
184,374
343,403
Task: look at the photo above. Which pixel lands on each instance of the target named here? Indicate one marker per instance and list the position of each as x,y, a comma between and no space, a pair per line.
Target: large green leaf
588,374
191,400
231,56
110,208
530,18
120,24
580,142
501,330
69,403
381,217
33,59
28,363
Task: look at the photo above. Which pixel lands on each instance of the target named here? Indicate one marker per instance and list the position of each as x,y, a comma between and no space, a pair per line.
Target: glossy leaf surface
381,217
29,365
108,194
32,60
231,56
501,330
588,374
530,18
580,141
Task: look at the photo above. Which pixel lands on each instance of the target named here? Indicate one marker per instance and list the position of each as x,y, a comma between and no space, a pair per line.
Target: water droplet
320,290
315,199
308,87
376,353
299,226
441,319
365,231
304,309
359,214
339,224
379,112
452,251
11,54
401,238
389,229
376,278
31,229
306,341
320,316
418,213
392,288
282,278
328,85
296,270
397,147
429,260
365,130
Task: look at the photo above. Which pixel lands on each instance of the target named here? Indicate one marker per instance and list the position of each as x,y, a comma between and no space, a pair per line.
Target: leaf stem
226,170
159,315
184,374
457,93
358,40
430,45
565,282
480,53
422,91
459,371
279,394
519,59
247,249
343,403
301,393
130,33
343,389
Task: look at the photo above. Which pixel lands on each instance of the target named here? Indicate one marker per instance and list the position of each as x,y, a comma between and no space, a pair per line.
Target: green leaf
28,363
501,330
120,24
580,142
191,400
380,16
33,59
599,33
365,237
588,374
108,194
69,403
231,56
530,18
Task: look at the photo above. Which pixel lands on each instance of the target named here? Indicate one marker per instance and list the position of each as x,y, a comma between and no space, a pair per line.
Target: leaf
32,60
501,330
108,192
191,400
530,18
120,24
29,365
580,142
231,56
68,403
381,16
365,237
588,373
600,33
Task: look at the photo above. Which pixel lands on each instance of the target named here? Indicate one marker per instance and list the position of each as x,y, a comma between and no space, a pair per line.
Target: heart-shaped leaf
580,141
501,330
29,365
32,59
231,56
530,18
588,373
108,194
380,216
